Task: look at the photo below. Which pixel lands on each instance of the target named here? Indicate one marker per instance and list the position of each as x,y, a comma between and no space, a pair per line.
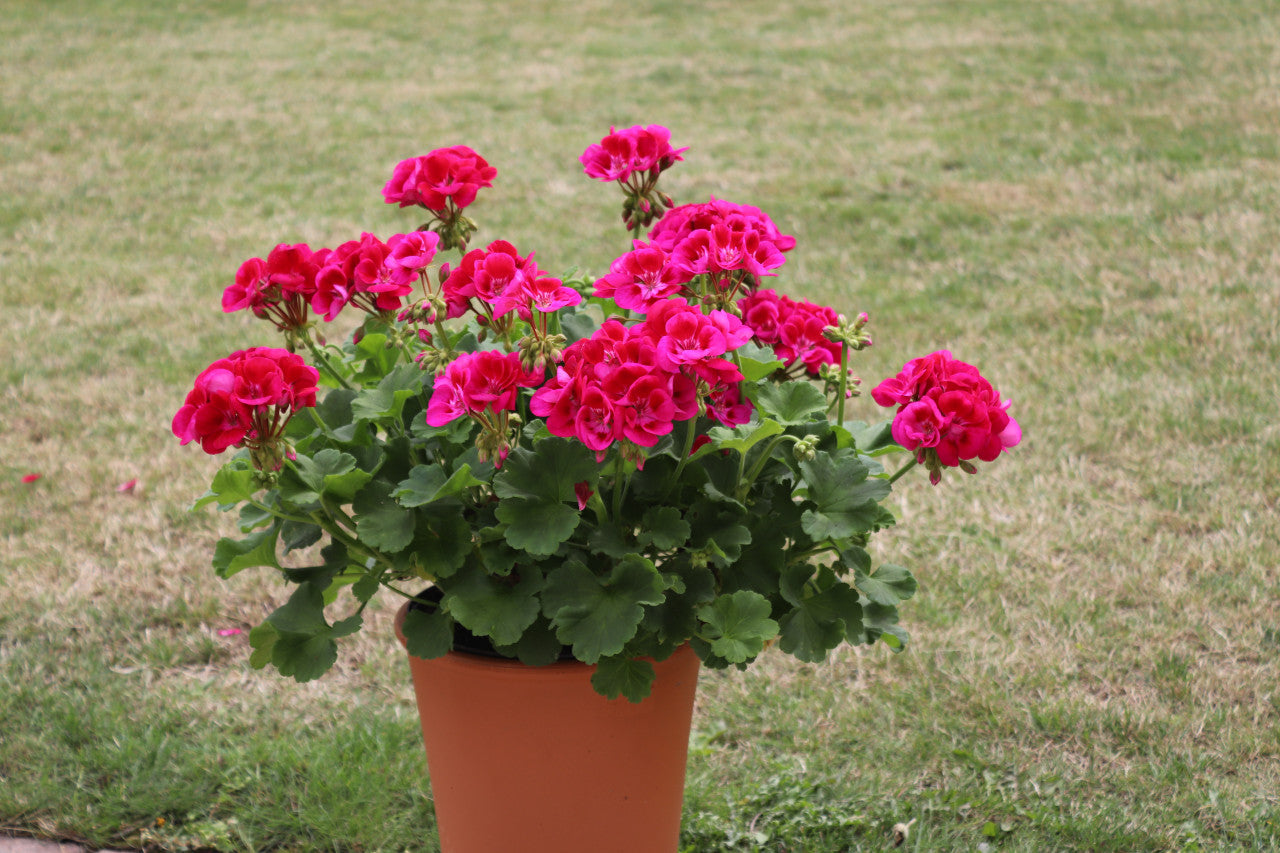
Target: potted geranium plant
604,480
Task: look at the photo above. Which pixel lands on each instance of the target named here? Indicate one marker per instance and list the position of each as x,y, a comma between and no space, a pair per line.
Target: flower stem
844,382
322,361
904,469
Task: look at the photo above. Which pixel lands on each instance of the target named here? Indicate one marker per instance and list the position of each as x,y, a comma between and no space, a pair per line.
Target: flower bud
805,449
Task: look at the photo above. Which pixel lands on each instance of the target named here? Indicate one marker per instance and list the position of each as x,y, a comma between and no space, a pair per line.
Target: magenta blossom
947,412
246,400
640,278
436,180
632,151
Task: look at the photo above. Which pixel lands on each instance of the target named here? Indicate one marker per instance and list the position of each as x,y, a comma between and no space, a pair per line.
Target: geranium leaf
821,622
744,436
619,675
757,362
597,616
548,472
330,473
889,585
846,502
738,625
256,549
380,521
303,613
493,607
663,527
304,657
791,403
881,621
387,399
537,526
429,483
427,634
233,483
441,546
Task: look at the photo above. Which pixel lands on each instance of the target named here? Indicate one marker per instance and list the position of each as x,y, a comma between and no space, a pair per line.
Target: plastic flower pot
532,759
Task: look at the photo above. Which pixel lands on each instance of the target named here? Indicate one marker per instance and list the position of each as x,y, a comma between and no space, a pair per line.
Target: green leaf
428,484
380,521
494,607
295,535
441,546
578,325
256,549
539,646
378,358
304,657
718,530
597,616
889,585
610,540
742,437
428,634
846,502
234,483
388,398
537,526
876,440
791,403
821,622
330,473
619,675
262,639
881,621
303,613
738,625
757,362
547,472
365,588
663,527
536,486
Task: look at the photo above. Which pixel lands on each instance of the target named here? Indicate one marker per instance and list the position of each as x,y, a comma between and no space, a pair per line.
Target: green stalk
320,358
689,435
904,469
844,381
744,483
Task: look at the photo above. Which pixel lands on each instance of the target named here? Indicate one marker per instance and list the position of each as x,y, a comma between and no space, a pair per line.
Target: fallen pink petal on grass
31,478
229,632
128,485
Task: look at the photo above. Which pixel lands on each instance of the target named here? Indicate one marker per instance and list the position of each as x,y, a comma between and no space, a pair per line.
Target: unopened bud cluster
851,333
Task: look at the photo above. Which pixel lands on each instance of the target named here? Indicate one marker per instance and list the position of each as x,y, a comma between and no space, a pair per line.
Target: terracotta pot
528,759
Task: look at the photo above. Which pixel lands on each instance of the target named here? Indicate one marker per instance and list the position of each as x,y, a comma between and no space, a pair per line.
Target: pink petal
31,478
128,485
229,632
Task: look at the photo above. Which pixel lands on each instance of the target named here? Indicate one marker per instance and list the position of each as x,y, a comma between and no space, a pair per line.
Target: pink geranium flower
947,412
436,180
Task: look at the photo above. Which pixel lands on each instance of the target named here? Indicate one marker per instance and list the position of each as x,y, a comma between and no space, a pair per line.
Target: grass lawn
1082,197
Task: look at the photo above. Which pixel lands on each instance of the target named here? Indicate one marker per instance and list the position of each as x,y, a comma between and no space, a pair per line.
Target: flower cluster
280,288
368,273
495,280
445,177
634,383
793,328
245,400
443,182
947,413
634,158
710,252
483,386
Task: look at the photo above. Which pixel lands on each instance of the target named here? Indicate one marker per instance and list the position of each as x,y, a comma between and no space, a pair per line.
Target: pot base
532,759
